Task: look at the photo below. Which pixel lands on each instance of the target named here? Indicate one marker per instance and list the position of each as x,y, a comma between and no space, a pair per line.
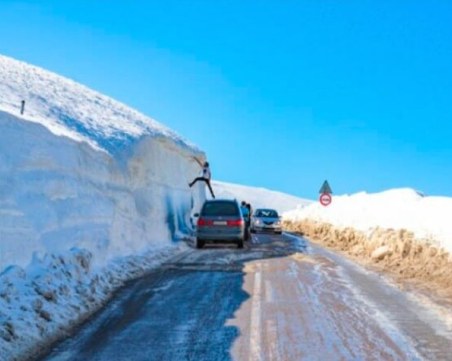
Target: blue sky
280,94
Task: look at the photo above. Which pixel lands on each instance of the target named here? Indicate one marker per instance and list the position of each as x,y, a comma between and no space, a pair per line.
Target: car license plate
220,223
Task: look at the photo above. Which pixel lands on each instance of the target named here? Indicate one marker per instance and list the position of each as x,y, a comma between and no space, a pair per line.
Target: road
280,298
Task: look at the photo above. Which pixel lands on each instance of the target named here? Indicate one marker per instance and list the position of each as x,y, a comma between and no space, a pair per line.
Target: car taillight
235,223
202,222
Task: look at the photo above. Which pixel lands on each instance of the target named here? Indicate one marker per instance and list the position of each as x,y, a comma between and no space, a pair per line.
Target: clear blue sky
280,94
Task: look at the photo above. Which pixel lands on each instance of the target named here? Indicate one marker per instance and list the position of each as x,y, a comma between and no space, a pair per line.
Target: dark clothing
207,180
250,210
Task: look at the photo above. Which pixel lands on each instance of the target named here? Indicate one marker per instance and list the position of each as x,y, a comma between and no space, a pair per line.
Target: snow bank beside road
400,231
259,197
427,217
41,303
397,252
86,184
113,181
57,193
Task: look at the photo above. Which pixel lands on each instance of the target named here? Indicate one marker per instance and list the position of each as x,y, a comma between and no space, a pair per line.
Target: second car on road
264,219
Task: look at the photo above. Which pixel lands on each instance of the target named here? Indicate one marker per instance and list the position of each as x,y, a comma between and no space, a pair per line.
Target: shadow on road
181,311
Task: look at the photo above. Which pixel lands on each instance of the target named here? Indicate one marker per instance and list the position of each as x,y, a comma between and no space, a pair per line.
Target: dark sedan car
220,221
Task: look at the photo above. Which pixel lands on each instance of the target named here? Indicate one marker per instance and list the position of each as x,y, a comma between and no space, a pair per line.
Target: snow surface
259,197
428,217
86,184
73,110
41,303
113,181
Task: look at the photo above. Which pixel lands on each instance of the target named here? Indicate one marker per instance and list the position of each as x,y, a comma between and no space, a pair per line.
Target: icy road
280,298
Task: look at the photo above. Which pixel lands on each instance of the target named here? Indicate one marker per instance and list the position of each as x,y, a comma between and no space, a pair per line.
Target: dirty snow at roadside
428,217
40,303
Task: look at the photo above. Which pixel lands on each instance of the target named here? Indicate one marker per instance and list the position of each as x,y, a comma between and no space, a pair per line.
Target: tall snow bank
112,181
399,231
56,193
428,218
259,197
91,192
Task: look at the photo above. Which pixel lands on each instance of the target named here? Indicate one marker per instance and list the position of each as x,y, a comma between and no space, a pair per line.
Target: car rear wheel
200,243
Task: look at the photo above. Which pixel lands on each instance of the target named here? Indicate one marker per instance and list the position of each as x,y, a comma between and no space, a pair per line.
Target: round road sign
325,199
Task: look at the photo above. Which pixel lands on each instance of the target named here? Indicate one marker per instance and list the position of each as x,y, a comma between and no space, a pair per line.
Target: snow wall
57,193
92,195
428,217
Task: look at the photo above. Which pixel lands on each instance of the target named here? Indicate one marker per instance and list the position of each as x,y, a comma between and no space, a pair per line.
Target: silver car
220,221
264,219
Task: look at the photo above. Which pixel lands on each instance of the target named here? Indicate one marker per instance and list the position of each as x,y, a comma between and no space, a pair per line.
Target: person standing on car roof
205,177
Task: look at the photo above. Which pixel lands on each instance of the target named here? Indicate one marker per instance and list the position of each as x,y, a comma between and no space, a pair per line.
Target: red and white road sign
325,199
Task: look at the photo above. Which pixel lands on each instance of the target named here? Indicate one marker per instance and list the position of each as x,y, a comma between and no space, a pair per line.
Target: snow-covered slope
428,218
259,197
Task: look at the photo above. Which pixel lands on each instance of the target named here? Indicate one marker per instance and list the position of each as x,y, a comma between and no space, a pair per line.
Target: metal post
22,107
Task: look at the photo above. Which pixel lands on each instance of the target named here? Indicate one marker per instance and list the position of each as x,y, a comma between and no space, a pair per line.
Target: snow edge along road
396,252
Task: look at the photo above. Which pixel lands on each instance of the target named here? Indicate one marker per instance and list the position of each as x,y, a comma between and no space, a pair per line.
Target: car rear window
220,209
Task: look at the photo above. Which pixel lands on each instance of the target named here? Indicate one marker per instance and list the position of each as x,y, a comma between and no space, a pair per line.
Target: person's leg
195,180
204,180
210,188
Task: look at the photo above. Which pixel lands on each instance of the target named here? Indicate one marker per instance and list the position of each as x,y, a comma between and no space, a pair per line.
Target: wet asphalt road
277,299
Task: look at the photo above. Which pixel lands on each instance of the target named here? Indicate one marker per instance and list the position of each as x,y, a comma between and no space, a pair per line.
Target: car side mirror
196,215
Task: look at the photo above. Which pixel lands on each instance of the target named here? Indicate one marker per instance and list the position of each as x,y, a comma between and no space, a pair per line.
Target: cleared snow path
278,299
